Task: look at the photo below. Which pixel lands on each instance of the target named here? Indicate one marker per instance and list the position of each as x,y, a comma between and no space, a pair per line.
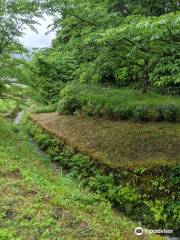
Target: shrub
127,198
65,156
127,194
123,113
80,164
89,109
42,139
157,209
55,148
170,112
68,105
173,211
153,114
160,110
175,176
103,184
107,111
92,109
141,113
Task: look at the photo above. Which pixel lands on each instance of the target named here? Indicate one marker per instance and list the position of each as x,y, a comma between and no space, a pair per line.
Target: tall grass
122,103
7,106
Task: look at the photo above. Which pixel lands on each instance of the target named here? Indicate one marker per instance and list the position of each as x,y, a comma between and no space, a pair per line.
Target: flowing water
52,164
18,117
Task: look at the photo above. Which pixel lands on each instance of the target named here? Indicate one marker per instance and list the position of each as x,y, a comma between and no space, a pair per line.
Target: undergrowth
7,106
118,103
45,108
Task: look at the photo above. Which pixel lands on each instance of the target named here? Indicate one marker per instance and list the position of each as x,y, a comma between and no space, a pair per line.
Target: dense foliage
122,43
15,17
110,58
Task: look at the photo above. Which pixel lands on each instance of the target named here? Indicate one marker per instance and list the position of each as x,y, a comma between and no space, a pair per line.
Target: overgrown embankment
38,202
136,166
118,103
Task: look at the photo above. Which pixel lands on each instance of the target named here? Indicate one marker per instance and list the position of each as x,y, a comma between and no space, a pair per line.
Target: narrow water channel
51,164
18,117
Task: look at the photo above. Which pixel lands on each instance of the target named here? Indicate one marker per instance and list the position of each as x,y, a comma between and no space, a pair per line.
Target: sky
33,40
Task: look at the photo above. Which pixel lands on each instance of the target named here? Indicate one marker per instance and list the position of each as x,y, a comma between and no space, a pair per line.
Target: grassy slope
115,142
38,202
119,103
125,97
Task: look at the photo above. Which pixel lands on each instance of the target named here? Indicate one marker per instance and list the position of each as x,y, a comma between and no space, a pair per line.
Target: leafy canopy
122,43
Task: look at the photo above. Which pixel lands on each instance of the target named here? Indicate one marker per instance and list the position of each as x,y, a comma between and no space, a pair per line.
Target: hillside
89,120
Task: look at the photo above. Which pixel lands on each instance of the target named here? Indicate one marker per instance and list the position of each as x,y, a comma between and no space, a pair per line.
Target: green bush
108,111
173,211
43,140
80,164
127,198
127,194
175,176
64,157
89,109
55,148
68,105
170,112
141,113
160,109
157,209
122,113
153,114
104,184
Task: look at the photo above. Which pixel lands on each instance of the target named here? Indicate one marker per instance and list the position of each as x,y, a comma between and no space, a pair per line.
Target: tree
126,43
15,16
143,42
